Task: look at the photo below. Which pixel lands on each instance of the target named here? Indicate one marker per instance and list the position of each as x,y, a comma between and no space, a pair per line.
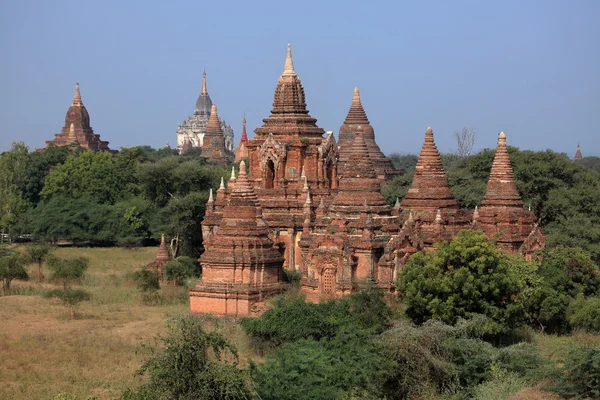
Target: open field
44,353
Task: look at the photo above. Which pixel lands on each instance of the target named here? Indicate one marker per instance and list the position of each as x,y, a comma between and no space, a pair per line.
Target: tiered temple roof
356,120
501,188
77,131
289,116
429,189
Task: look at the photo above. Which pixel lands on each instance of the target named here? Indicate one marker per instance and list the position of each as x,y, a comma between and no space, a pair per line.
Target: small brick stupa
241,265
213,146
501,214
162,256
242,151
77,131
357,121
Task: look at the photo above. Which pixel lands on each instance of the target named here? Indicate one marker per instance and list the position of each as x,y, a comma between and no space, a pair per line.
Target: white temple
193,129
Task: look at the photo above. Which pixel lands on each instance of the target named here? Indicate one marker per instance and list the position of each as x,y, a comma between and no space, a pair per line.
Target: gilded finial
210,196
77,96
356,96
204,91
222,185
288,69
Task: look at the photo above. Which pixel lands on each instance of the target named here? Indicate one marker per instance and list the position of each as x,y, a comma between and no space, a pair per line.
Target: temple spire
77,97
213,125
429,189
244,138
501,188
204,91
288,69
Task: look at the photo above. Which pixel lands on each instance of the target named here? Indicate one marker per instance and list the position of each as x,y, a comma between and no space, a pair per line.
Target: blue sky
529,68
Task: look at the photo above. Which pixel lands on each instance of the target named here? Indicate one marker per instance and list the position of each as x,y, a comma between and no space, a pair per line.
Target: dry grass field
44,353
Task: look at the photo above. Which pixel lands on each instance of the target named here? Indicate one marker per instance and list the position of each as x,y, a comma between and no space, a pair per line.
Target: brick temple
313,205
77,131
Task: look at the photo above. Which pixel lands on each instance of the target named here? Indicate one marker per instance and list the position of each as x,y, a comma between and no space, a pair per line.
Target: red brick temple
77,131
241,264
312,205
214,142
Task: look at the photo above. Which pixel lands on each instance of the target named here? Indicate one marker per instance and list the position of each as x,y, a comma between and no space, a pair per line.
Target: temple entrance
328,281
270,175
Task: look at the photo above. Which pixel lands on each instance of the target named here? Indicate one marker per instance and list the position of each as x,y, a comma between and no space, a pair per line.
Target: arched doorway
270,175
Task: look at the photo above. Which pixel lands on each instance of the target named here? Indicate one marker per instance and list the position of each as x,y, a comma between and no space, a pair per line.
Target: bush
12,266
464,277
292,277
581,375
146,280
191,363
292,318
584,314
179,272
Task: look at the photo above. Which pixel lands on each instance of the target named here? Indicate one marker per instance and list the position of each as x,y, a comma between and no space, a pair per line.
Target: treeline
464,331
104,199
564,194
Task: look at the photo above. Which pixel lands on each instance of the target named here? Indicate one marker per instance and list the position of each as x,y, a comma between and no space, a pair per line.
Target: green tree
464,277
38,254
192,363
178,272
12,266
67,270
13,165
40,165
88,174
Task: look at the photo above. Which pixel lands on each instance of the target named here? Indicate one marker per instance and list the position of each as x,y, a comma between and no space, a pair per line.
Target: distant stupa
578,155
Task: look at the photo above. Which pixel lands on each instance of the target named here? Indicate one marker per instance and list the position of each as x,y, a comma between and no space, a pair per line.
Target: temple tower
289,155
77,131
214,142
241,265
357,121
429,190
501,214
191,132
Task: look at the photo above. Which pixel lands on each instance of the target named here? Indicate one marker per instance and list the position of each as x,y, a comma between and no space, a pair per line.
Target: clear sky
529,68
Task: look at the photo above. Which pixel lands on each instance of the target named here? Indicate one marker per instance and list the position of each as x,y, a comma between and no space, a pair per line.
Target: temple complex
193,130
356,121
77,131
313,205
241,151
578,155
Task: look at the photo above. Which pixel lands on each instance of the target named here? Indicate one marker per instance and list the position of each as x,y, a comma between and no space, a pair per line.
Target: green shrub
464,277
580,377
146,280
292,277
584,314
179,272
191,363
